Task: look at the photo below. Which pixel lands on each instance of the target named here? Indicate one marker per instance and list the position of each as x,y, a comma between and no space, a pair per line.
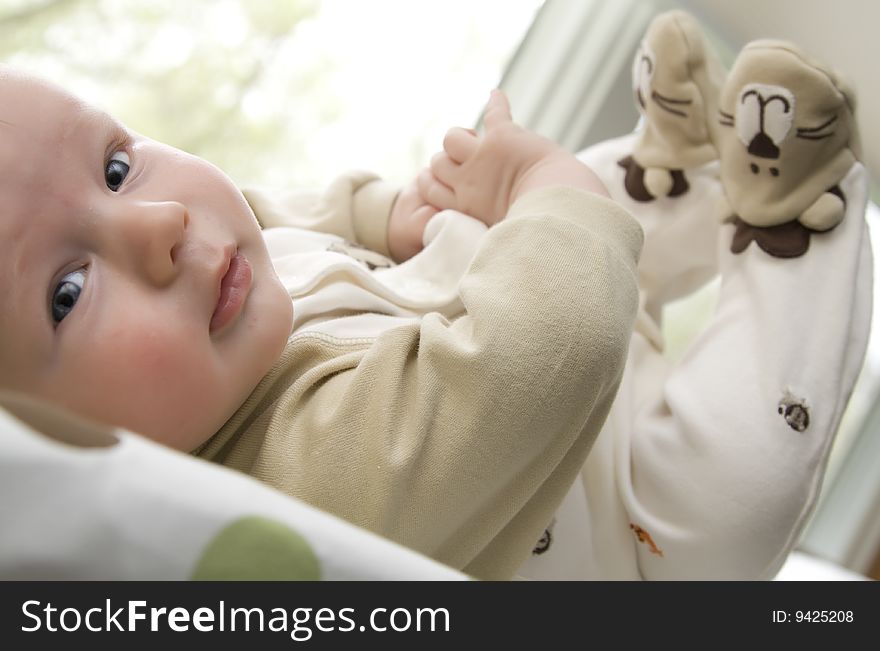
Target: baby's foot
676,79
785,136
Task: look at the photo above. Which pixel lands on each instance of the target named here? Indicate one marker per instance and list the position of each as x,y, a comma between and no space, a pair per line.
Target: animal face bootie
786,137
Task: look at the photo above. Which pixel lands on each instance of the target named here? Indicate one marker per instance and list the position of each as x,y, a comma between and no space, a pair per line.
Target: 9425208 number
823,616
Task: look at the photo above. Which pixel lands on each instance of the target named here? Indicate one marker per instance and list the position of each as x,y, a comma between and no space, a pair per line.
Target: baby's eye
66,294
116,170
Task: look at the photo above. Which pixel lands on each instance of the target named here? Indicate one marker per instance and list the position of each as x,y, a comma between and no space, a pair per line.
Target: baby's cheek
152,381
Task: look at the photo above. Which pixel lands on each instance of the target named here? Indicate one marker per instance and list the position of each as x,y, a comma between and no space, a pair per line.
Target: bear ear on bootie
676,81
786,137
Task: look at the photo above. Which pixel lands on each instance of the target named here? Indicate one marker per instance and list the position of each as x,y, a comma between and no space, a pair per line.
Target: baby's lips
234,289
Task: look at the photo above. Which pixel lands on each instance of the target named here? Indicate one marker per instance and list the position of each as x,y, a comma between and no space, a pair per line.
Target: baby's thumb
497,109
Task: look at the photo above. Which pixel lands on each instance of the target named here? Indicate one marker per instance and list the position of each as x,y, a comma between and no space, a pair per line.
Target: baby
140,293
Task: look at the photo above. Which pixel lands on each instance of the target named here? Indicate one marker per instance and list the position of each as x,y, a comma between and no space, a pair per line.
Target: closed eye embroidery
813,133
664,102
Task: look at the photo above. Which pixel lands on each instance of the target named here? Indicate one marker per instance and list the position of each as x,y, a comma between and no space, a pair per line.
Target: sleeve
356,206
460,438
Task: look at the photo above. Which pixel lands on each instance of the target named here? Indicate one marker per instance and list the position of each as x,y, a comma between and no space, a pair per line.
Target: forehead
43,129
35,120
28,99
34,111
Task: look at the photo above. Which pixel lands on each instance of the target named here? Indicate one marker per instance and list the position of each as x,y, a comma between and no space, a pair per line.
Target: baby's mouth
235,285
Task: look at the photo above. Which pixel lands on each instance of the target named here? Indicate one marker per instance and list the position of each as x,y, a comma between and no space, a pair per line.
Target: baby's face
135,285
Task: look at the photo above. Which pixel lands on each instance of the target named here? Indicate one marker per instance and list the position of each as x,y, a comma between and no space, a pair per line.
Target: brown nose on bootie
786,136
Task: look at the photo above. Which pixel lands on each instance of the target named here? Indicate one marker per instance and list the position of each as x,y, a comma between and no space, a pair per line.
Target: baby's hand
483,175
407,223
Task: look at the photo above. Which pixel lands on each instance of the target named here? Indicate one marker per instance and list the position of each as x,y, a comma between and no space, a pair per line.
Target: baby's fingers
434,192
444,169
460,143
497,110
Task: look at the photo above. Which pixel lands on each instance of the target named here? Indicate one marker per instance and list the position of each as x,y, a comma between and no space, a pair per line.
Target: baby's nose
153,233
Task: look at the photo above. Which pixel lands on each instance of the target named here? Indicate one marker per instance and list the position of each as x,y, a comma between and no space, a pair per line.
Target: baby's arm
460,438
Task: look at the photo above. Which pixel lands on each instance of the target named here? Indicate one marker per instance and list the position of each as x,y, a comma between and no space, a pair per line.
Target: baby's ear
676,81
786,135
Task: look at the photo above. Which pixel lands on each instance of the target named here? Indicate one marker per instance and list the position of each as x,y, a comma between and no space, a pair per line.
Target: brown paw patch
634,181
679,183
788,240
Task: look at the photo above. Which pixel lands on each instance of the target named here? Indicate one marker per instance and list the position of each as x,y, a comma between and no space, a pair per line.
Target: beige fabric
335,291
355,207
459,437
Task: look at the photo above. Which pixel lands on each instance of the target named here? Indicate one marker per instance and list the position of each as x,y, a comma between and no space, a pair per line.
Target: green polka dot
257,549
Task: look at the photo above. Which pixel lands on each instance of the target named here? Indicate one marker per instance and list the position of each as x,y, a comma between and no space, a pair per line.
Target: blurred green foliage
285,93
201,75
